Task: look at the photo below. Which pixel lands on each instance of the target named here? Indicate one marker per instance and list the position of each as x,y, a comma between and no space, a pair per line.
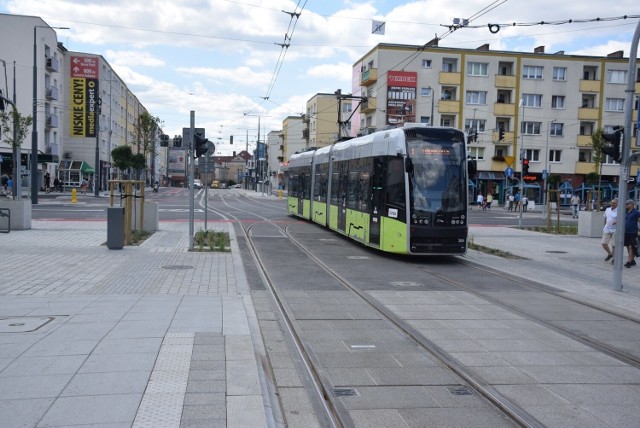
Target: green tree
145,130
121,157
597,141
138,163
14,129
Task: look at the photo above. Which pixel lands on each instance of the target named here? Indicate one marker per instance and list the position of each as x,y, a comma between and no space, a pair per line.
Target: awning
490,175
86,168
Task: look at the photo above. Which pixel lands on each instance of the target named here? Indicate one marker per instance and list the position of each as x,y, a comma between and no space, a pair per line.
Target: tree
146,130
597,141
14,128
121,157
138,163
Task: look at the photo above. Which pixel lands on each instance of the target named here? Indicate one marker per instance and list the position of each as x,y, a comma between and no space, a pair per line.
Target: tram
402,190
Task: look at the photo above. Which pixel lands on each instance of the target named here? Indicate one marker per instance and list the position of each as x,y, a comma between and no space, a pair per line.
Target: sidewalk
146,336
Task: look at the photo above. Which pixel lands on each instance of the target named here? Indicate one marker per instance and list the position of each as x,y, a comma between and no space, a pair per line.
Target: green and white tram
402,190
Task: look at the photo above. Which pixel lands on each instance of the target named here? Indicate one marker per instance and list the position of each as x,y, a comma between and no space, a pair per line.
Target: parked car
237,186
197,183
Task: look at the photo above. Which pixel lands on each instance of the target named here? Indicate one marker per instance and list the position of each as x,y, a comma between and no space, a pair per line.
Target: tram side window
320,190
305,183
365,184
335,181
354,185
293,185
395,182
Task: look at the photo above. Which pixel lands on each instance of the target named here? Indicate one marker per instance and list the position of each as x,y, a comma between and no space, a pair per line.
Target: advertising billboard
84,95
401,97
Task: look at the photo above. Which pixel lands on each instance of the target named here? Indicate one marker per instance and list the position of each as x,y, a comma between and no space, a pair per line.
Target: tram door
302,182
377,200
343,182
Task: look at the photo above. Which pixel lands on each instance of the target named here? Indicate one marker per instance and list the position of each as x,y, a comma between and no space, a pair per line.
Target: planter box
20,213
590,223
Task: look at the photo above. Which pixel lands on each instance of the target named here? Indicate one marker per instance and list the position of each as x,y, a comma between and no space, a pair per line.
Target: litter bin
115,228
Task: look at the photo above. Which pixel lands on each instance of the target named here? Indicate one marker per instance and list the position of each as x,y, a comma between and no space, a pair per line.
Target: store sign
84,95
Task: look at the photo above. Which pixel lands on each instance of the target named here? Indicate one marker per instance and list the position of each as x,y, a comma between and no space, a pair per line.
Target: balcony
369,105
445,106
369,77
584,167
584,141
52,93
447,78
504,109
588,113
507,139
52,121
53,65
589,86
503,81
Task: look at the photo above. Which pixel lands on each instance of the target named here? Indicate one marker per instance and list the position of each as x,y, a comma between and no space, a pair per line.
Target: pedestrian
575,205
83,185
5,180
10,185
631,232
56,185
480,201
489,201
525,202
609,229
516,200
47,182
510,202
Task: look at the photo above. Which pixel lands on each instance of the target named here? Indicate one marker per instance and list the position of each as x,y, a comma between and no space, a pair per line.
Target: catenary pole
625,163
191,160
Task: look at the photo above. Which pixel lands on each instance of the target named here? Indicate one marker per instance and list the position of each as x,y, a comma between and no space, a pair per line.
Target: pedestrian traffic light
614,146
200,145
525,167
500,134
177,141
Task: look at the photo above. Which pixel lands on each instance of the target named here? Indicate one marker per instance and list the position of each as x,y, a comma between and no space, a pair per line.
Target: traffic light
200,145
164,140
230,139
525,167
500,134
177,141
614,148
472,137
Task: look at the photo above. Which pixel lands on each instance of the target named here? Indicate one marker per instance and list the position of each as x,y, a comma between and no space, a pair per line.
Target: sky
237,63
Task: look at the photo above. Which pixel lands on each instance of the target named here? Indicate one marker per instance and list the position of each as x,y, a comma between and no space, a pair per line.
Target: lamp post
522,154
34,115
546,170
433,97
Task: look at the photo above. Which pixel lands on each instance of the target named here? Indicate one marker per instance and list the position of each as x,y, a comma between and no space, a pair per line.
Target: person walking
525,203
489,201
631,232
510,201
575,205
480,201
516,200
609,229
47,182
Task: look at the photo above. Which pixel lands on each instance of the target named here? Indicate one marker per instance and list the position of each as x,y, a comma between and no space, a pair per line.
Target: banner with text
401,97
84,95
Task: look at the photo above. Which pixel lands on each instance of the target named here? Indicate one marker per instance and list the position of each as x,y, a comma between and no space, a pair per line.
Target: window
557,101
425,119
554,155
477,69
425,92
556,129
559,73
476,97
531,128
532,100
616,76
346,107
614,104
476,152
475,124
449,65
532,154
426,63
532,72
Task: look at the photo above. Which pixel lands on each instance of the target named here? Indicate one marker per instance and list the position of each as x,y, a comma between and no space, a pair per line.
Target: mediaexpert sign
84,73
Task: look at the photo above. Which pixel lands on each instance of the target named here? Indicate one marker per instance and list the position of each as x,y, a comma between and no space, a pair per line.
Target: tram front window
438,177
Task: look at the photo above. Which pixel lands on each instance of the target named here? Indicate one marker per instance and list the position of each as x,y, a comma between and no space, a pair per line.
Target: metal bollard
74,196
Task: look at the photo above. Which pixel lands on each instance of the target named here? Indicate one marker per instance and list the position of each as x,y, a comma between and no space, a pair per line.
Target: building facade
535,106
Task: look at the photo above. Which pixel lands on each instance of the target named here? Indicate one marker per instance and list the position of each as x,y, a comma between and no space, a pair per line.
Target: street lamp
34,115
432,104
546,171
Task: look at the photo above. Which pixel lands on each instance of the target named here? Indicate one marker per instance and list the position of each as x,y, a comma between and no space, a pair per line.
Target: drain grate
406,284
177,267
344,392
460,390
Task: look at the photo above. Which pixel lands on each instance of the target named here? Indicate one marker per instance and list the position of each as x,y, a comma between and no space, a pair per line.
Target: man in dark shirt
631,232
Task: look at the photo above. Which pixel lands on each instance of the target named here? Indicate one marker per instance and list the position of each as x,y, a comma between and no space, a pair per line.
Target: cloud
238,75
133,58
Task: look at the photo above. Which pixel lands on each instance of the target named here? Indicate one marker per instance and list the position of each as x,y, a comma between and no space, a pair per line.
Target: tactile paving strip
163,399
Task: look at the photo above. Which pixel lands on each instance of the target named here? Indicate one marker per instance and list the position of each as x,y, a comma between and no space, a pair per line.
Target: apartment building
540,106
321,117
79,103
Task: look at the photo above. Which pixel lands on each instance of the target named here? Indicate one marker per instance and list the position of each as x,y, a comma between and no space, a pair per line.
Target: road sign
544,174
508,172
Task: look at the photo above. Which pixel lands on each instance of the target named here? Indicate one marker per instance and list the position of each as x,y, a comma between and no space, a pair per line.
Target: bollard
74,197
279,193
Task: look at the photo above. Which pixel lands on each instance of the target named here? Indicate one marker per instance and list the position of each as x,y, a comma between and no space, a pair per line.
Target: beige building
545,106
321,117
294,138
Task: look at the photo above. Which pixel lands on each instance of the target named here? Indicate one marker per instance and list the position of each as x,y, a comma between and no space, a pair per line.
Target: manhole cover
556,252
406,284
23,324
344,392
460,390
177,267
